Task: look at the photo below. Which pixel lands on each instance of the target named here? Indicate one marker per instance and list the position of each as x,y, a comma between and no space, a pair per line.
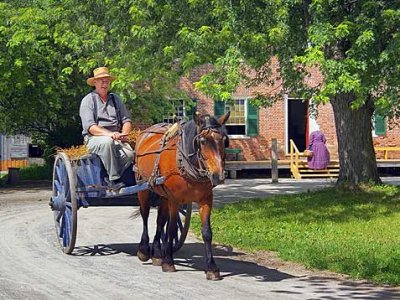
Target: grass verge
355,233
3,179
34,172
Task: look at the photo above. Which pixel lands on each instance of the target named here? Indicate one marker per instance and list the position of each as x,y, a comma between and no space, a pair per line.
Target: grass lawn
356,233
33,172
36,172
3,178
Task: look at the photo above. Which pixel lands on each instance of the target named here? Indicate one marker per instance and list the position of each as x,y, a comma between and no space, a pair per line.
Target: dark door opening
297,122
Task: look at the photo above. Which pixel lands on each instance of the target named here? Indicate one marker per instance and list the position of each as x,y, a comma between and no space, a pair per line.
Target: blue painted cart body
81,183
92,189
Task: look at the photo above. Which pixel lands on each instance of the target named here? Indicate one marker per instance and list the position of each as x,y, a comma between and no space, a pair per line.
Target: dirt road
104,264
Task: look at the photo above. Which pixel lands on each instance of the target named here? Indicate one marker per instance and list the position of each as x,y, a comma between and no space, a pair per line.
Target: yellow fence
386,150
5,164
295,155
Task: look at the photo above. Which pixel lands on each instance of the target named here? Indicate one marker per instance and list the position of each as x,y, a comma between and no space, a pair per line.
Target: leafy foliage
354,45
49,47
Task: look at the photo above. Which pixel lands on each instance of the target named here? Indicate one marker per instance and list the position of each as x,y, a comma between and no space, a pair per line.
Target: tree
47,50
354,44
49,47
34,76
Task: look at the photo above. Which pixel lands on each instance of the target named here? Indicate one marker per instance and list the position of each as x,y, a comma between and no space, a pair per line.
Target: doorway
297,122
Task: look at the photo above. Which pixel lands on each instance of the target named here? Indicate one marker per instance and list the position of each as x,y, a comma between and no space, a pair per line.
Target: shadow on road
229,263
351,289
191,256
106,250
228,260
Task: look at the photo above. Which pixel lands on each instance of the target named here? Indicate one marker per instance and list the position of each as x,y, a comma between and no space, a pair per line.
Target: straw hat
101,72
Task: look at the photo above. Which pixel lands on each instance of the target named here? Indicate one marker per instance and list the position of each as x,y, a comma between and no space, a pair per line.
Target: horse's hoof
156,261
168,268
213,275
142,256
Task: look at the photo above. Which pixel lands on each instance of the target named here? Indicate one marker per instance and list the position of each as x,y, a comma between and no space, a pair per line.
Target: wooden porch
232,167
297,164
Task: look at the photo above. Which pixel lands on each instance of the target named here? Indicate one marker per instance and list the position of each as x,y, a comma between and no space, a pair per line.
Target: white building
14,151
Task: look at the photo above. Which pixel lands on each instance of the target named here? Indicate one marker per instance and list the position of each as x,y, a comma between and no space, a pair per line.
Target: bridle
204,131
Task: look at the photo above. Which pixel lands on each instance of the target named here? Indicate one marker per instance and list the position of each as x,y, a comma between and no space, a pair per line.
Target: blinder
215,127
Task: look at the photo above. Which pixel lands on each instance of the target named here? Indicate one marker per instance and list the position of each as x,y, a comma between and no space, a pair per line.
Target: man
106,124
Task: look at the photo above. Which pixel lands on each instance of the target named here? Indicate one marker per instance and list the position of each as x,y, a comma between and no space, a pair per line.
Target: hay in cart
76,152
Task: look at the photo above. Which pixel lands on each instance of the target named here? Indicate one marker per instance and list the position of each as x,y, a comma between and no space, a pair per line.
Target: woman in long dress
320,157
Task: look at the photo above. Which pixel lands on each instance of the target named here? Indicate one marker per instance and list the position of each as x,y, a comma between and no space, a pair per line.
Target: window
182,111
179,113
35,151
243,120
236,124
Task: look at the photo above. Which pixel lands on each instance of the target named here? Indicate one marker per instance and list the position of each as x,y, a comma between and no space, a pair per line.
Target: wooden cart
79,183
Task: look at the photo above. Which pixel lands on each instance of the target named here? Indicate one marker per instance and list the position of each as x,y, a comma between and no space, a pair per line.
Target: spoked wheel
183,222
64,203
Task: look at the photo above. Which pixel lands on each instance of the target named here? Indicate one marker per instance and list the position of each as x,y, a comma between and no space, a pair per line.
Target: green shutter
219,108
252,119
380,124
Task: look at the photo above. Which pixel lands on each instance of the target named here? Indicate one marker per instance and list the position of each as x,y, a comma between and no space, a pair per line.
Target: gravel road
104,264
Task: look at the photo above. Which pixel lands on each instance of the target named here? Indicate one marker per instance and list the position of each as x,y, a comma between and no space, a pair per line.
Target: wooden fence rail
13,163
386,150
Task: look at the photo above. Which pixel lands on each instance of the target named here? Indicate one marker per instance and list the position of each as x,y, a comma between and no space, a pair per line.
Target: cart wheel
183,221
63,202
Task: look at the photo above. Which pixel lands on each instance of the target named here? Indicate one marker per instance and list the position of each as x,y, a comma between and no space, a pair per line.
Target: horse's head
211,141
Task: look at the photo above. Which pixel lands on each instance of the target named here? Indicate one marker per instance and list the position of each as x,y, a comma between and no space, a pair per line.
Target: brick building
251,129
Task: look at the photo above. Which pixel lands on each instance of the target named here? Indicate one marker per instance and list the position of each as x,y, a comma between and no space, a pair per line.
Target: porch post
274,160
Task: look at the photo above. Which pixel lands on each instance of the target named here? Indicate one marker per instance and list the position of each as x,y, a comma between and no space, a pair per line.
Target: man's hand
117,136
123,137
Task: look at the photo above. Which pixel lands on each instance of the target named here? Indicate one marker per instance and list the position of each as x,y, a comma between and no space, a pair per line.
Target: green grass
36,172
3,179
356,233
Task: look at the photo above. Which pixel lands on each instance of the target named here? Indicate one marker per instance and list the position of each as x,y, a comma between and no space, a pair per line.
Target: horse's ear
196,118
222,119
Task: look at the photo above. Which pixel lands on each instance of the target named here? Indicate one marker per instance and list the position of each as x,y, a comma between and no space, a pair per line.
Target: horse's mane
188,134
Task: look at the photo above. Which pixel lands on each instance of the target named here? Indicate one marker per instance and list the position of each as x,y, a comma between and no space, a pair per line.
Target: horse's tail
135,214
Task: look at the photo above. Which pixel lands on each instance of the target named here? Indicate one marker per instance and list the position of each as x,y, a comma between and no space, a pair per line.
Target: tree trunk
355,145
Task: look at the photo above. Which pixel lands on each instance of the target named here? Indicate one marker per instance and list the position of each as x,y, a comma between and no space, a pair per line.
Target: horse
191,158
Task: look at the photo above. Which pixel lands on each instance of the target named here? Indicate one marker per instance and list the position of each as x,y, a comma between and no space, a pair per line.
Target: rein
164,139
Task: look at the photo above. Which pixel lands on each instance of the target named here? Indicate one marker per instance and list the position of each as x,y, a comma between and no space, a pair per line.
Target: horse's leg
144,248
168,260
212,271
157,253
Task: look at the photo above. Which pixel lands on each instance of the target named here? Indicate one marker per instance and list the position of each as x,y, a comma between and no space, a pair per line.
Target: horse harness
187,169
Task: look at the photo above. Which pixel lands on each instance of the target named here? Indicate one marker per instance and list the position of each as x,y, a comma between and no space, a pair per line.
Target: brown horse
191,159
